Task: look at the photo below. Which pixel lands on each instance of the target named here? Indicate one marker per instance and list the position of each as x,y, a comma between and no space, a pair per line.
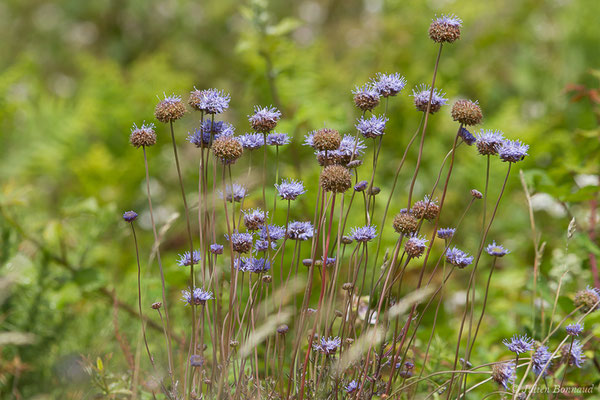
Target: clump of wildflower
366,97
466,136
519,344
504,373
388,84
196,297
458,258
300,230
254,219
169,109
130,216
253,265
216,248
235,193
512,151
273,233
351,387
489,142
541,361
326,139
363,234
572,353
445,233
574,329
278,139
143,136
466,112
405,222
496,250
264,119
252,141
227,149
371,127
415,246
445,29
210,101
290,189
336,179
426,208
588,299
421,98
241,242
327,345
186,259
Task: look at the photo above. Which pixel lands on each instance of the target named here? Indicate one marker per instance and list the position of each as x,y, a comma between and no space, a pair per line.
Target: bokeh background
75,75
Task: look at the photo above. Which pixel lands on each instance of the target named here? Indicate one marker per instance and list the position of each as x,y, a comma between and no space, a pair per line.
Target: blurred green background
75,75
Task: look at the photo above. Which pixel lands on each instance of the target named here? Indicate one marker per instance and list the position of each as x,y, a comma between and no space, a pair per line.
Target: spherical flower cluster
458,258
130,216
326,139
273,233
227,149
241,242
290,189
350,148
278,139
466,136
541,361
327,345
445,233
234,193
445,29
572,353
336,179
415,246
253,265
504,374
421,98
588,299
405,222
574,329
519,344
252,141
364,234
210,101
489,142
512,151
169,109
143,136
426,208
185,259
388,85
466,112
496,250
216,248
254,219
372,127
260,246
209,131
264,119
196,297
366,97
300,230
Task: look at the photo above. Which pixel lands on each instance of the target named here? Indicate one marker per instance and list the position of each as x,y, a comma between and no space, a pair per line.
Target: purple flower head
519,344
573,353
372,127
290,189
504,373
496,250
253,265
351,145
389,85
329,262
361,186
130,216
327,345
278,139
366,97
264,119
489,141
201,137
263,245
364,233
300,230
210,101
541,361
467,136
449,19
216,248
351,387
237,194
185,260
574,329
458,257
255,218
445,233
196,361
251,141
415,245
196,297
241,242
512,151
421,98
274,233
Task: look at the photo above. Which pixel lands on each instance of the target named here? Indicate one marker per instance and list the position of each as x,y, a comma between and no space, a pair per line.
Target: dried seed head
234,343
227,149
267,278
588,299
169,109
157,305
476,193
347,286
426,208
467,112
415,246
142,136
326,139
445,29
336,179
375,190
405,223
346,239
339,314
349,340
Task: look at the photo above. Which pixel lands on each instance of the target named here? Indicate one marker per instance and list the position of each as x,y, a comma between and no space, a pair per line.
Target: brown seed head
326,139
227,149
157,305
143,136
441,31
169,109
428,209
405,223
467,112
587,299
336,179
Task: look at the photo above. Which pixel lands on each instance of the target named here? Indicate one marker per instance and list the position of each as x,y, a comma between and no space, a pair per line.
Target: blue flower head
185,260
351,387
241,242
300,230
541,361
573,353
237,193
449,19
196,297
263,245
489,142
504,373
253,265
251,141
216,248
201,137
372,127
130,216
364,233
254,218
210,101
274,233
327,345
466,136
574,329
445,233
366,97
421,98
458,257
519,344
512,151
278,139
290,189
415,246
264,119
496,250
361,186
389,85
